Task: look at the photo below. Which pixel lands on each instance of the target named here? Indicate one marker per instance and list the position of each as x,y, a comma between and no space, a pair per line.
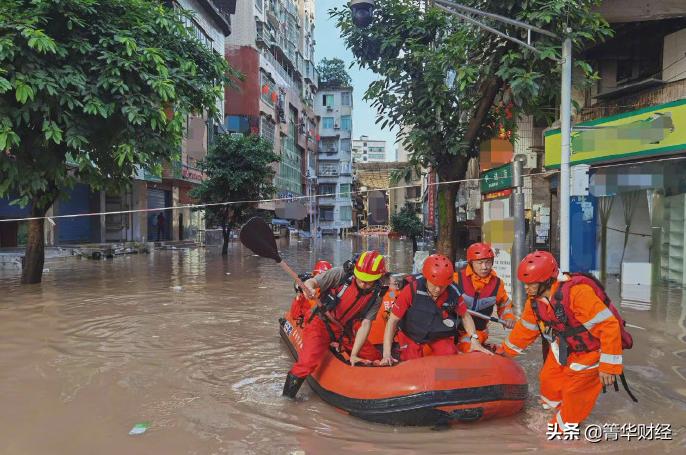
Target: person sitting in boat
349,296
585,337
481,289
427,311
301,304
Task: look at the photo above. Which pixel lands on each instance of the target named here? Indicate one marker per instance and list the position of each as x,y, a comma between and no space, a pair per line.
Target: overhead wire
294,198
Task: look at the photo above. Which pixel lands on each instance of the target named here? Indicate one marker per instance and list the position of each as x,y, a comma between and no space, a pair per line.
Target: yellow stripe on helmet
361,260
377,261
366,277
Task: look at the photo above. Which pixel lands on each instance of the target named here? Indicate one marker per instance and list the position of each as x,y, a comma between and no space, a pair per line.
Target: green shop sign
496,179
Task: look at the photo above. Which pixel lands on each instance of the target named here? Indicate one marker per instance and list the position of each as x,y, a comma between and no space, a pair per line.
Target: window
258,4
346,213
345,191
346,99
327,122
345,145
327,188
267,129
267,87
327,100
346,123
325,213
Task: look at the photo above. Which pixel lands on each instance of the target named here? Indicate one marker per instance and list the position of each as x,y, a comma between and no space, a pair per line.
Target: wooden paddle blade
258,237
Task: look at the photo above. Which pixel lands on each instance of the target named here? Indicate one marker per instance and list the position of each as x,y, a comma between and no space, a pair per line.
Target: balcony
666,93
328,171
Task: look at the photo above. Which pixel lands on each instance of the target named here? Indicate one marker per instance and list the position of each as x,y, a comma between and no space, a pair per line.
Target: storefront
635,190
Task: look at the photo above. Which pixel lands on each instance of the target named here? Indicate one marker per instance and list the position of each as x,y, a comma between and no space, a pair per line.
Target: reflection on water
188,341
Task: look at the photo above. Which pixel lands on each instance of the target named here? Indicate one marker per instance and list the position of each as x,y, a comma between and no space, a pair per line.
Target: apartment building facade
334,107
272,44
367,150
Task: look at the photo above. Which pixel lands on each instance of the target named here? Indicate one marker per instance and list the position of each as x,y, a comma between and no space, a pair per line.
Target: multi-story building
272,44
367,150
334,107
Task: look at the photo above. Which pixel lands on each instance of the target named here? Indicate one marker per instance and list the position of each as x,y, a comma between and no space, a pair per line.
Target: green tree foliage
332,73
453,84
406,223
238,168
91,90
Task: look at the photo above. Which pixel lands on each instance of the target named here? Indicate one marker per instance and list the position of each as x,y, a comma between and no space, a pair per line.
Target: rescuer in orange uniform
300,304
481,290
428,310
585,340
346,300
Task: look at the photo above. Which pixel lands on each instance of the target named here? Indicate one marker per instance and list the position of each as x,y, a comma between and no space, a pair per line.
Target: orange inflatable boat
433,390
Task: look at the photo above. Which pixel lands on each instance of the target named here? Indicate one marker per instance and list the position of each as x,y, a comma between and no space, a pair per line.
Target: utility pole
519,247
566,133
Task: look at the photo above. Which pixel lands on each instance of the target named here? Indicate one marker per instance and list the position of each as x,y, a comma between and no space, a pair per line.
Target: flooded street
188,341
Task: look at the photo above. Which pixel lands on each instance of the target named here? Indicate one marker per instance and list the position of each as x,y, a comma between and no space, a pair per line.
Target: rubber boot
292,385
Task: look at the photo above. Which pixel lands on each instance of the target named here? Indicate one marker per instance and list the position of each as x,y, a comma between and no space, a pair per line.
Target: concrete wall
673,61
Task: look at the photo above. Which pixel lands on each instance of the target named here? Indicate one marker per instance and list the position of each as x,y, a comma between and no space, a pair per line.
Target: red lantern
265,89
275,97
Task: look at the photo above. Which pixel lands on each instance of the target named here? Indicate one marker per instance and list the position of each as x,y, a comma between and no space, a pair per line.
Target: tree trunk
34,256
225,235
414,243
446,220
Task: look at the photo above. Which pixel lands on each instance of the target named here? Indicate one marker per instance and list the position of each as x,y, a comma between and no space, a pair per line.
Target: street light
462,12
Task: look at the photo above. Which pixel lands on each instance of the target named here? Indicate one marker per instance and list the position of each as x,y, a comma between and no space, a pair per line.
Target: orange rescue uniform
503,306
572,389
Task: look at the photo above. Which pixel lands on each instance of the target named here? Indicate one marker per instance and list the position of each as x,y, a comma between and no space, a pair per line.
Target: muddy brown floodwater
188,341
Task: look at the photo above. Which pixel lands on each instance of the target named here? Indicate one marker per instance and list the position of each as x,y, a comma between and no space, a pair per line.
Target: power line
291,199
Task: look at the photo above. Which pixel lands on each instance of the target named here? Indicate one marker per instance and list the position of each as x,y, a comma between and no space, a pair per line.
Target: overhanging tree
454,84
332,73
91,90
406,223
238,168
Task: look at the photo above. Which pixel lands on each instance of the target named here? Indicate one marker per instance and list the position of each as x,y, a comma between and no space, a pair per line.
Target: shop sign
497,195
651,131
496,179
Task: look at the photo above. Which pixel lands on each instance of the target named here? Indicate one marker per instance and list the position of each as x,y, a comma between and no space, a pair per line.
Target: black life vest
424,321
480,301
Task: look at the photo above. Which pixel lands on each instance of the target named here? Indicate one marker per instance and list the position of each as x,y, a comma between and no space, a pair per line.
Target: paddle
257,236
483,316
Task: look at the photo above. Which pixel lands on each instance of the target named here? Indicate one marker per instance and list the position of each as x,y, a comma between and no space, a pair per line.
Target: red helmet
537,267
370,266
438,270
321,267
478,251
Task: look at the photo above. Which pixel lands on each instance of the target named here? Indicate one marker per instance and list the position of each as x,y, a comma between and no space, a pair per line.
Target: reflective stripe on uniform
549,404
581,367
600,317
528,325
513,347
562,424
611,359
505,303
423,293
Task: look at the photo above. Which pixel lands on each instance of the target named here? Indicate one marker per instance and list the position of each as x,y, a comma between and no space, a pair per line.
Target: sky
331,45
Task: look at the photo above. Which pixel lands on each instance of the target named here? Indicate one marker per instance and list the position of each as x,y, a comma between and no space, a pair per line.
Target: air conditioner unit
336,127
329,108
